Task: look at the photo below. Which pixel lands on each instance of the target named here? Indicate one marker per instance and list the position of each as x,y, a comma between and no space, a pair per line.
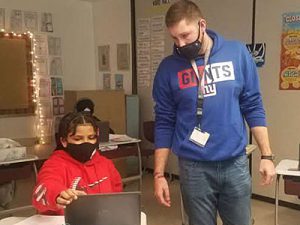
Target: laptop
105,209
103,130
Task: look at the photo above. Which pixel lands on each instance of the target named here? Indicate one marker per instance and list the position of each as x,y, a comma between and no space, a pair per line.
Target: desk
250,149
21,168
283,168
17,169
126,148
46,220
28,159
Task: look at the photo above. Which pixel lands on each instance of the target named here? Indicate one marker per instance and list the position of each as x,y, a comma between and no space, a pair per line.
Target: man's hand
161,191
67,196
267,171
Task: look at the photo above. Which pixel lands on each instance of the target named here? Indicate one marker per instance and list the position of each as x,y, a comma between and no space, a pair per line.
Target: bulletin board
16,75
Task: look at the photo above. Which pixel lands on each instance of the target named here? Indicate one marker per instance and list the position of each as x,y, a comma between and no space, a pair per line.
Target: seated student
76,169
84,105
87,105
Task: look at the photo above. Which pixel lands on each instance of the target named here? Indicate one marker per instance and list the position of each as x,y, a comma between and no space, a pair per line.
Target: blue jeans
211,187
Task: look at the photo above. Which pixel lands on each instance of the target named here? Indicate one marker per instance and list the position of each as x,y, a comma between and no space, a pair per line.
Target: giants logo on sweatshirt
214,73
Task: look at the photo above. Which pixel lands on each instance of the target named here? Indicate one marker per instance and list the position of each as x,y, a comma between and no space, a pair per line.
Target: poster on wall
42,65
258,52
103,58
41,48
157,43
290,52
106,81
123,56
143,52
58,106
46,22
119,81
56,66
56,86
45,107
54,45
160,2
2,18
30,21
44,87
16,20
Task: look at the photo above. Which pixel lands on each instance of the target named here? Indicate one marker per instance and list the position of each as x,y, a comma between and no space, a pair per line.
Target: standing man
200,117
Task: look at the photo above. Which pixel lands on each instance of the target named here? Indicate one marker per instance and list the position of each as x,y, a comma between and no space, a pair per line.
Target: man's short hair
182,9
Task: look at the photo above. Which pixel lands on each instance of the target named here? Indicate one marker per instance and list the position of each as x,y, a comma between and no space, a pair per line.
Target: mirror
16,90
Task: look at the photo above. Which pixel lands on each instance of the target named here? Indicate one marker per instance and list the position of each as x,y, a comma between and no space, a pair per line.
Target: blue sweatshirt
231,94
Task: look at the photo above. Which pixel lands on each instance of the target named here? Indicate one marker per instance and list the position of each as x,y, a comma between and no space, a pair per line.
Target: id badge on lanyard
198,136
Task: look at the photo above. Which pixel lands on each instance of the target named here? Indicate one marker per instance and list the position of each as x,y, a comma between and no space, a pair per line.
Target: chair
148,130
148,127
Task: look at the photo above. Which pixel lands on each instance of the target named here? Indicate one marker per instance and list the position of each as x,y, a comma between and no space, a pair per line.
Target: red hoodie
61,171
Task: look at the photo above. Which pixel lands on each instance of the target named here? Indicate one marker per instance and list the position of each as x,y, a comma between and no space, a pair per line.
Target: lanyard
200,93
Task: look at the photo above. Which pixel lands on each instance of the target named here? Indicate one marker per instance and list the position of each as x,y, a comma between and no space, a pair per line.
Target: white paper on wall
16,20
41,48
30,21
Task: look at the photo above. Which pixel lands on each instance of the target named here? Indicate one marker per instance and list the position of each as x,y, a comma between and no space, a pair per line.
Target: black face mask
190,51
81,152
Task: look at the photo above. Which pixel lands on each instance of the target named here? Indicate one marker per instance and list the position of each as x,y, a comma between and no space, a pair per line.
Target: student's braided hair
70,121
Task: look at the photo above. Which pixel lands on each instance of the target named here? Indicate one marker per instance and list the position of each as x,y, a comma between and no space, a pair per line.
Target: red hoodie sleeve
116,180
50,182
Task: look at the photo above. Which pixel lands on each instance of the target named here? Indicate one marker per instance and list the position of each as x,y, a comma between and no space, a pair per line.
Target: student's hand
267,171
67,196
161,191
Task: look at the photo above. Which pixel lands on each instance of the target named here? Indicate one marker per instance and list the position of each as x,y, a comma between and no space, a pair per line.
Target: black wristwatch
269,157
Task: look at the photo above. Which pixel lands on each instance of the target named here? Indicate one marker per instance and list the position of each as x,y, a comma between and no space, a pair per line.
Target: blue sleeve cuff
163,141
257,122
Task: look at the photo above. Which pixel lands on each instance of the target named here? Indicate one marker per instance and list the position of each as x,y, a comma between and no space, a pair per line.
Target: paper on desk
108,148
120,138
43,220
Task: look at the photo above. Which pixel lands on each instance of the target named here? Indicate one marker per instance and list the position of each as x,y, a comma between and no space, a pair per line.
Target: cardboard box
109,106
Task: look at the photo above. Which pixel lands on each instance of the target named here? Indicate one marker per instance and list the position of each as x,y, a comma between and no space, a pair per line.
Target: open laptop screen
105,209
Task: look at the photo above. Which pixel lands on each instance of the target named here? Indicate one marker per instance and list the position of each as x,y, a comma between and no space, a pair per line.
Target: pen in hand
76,181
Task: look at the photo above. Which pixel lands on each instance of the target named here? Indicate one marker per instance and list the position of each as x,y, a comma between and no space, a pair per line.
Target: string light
39,111
39,108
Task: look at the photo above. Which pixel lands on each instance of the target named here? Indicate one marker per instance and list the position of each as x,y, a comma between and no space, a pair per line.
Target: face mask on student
81,152
190,51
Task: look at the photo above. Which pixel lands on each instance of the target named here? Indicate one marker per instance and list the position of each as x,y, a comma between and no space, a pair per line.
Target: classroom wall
282,107
73,23
112,26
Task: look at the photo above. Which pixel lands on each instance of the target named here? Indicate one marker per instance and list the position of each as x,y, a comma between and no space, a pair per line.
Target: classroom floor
263,213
